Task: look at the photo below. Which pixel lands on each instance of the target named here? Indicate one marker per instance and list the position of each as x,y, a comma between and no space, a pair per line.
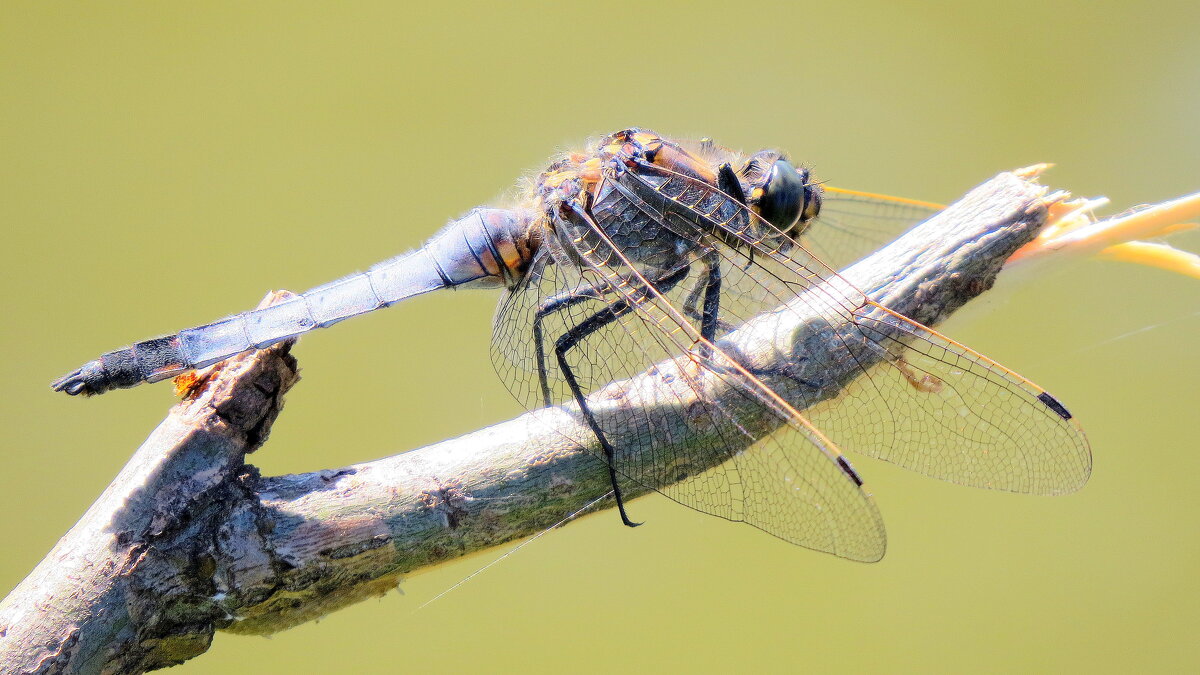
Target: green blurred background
165,165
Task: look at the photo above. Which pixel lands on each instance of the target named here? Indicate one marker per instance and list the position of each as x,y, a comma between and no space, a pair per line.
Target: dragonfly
638,251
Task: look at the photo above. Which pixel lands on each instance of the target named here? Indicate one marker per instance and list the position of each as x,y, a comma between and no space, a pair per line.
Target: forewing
852,225
916,398
707,435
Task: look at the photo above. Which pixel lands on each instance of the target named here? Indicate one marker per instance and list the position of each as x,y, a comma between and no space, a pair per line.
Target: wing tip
873,552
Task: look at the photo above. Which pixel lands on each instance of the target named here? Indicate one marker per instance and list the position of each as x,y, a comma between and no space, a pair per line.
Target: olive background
163,165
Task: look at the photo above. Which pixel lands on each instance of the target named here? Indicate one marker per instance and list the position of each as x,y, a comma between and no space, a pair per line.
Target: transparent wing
749,422
938,408
852,224
916,398
704,436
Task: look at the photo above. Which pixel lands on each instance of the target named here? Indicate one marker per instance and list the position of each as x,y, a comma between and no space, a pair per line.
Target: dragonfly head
783,195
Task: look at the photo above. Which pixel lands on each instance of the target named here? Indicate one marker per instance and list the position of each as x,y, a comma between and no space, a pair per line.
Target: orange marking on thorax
590,170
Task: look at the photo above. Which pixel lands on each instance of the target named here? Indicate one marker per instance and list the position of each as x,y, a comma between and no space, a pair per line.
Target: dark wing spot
1053,404
849,471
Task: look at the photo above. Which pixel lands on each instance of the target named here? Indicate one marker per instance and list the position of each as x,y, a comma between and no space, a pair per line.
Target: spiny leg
564,343
549,306
709,284
573,337
692,311
569,299
710,319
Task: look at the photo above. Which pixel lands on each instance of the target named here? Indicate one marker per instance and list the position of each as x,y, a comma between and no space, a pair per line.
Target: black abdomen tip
87,380
147,361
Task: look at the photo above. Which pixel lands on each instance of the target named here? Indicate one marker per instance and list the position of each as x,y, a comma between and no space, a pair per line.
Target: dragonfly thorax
593,220
782,198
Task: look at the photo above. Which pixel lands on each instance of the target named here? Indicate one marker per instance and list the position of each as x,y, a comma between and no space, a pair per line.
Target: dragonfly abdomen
483,248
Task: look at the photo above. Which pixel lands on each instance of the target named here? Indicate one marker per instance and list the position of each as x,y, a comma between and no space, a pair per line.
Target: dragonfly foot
624,516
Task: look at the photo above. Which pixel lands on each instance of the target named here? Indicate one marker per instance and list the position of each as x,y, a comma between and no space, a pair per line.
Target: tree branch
189,539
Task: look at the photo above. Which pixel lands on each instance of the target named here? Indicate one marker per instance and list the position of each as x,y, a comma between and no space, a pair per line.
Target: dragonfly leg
569,299
564,343
577,334
549,306
691,305
709,321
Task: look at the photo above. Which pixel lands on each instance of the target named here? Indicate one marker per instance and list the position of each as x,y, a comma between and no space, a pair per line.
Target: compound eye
782,196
